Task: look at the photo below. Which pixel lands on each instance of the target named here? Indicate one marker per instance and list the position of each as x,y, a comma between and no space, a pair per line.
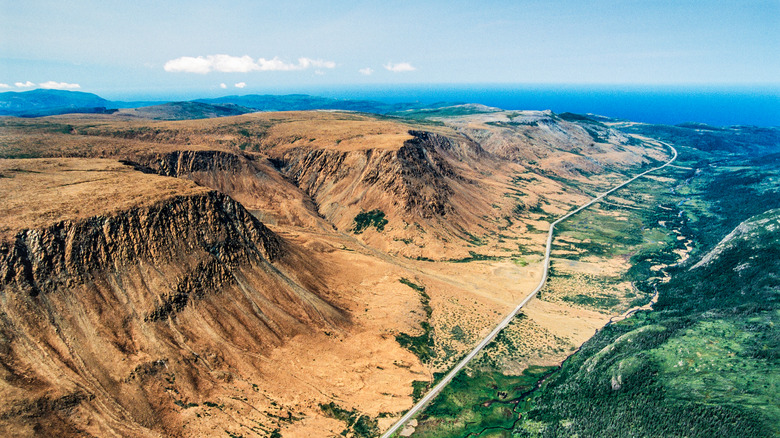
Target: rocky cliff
66,253
107,322
415,177
248,178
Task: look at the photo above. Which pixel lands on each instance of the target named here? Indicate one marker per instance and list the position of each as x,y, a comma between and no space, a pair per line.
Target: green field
705,361
475,400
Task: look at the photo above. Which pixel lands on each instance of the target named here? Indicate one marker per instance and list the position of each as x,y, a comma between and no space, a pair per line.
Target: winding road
505,322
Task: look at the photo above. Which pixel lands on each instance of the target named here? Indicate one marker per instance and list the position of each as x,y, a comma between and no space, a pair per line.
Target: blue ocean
717,106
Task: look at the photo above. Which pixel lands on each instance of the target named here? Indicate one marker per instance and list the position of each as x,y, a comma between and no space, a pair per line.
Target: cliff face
249,179
414,179
105,323
182,163
65,253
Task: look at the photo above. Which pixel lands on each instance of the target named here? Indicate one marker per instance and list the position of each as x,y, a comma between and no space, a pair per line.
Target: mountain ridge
44,102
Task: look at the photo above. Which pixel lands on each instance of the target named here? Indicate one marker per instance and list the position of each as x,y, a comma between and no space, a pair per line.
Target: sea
713,105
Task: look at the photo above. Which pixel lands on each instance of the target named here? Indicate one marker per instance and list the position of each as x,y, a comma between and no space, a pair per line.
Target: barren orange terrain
275,273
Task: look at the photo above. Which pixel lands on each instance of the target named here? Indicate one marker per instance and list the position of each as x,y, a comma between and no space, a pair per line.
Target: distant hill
445,111
37,103
303,102
186,111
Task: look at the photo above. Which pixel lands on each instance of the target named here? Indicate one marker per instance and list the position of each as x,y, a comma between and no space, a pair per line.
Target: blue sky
135,48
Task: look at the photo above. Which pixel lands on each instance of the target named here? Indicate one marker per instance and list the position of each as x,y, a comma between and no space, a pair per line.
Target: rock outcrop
248,178
107,322
413,179
66,253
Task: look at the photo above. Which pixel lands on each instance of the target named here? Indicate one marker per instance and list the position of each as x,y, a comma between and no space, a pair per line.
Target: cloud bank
400,67
49,85
239,64
366,71
240,85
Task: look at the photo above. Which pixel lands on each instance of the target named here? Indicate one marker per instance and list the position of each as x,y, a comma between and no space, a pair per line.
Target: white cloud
51,85
399,67
274,64
366,71
241,85
240,64
5,86
231,64
223,85
27,84
277,64
317,63
188,64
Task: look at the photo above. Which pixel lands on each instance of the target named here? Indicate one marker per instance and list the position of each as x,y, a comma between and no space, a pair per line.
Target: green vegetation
303,102
519,261
183,405
704,363
358,425
419,388
601,301
422,345
474,257
413,285
476,401
366,219
629,225
472,239
447,111
706,360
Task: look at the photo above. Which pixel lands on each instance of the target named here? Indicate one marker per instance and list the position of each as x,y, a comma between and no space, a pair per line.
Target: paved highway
505,322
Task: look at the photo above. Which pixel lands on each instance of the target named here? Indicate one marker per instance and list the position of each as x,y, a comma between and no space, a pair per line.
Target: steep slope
414,182
445,191
109,320
248,178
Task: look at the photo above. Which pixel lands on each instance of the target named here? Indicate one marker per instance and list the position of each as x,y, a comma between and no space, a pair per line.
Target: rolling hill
43,102
36,103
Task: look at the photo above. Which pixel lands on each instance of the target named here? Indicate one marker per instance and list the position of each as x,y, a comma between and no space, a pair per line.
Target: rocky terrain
270,273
